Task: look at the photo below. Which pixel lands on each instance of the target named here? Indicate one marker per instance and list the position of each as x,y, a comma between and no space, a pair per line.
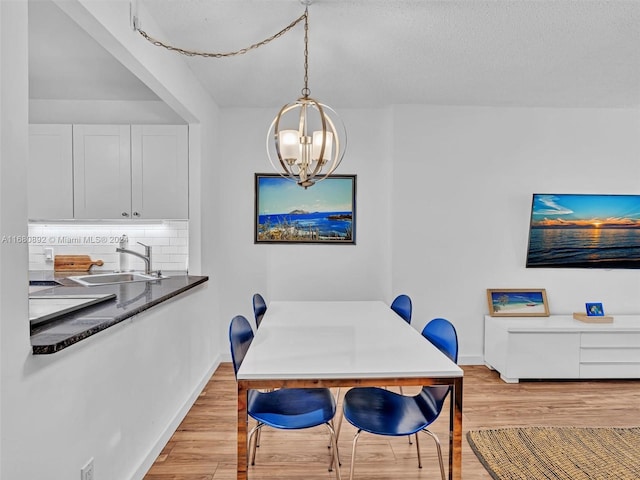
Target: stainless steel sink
111,278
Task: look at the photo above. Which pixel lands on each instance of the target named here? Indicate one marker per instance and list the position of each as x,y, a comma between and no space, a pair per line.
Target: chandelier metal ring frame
323,148
306,154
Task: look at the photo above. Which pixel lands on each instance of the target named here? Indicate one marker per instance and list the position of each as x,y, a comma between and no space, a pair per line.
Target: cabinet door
544,355
102,171
50,172
160,171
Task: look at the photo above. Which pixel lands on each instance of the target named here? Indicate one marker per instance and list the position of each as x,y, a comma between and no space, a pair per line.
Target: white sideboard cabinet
560,347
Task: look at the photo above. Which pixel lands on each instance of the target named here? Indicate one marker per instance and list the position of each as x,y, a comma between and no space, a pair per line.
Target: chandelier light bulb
289,145
317,145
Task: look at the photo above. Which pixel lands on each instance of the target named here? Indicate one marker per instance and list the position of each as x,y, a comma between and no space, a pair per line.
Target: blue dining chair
259,308
402,306
383,412
286,408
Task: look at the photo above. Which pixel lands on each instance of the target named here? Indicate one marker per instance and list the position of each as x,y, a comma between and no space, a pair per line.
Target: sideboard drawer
610,339
610,354
610,370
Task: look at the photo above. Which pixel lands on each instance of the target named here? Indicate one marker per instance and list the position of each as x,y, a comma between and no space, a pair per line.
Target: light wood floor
204,446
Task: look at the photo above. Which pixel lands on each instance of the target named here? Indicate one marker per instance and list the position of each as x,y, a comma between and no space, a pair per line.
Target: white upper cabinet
50,172
130,172
159,171
102,171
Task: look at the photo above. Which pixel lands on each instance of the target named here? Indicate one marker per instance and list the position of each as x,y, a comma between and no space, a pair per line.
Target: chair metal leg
353,454
257,428
335,458
335,433
418,448
260,430
437,440
258,437
339,426
339,415
409,436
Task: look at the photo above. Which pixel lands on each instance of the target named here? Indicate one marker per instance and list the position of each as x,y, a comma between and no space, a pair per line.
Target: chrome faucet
146,257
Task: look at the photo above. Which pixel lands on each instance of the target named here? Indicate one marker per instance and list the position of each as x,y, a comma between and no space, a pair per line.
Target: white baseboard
175,423
471,360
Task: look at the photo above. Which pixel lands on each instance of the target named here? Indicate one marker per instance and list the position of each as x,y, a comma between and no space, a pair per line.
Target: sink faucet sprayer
146,257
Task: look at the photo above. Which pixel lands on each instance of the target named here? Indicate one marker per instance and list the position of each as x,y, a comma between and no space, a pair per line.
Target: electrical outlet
86,473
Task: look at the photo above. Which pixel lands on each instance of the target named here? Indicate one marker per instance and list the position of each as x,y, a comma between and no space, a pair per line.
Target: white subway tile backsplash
179,241
170,242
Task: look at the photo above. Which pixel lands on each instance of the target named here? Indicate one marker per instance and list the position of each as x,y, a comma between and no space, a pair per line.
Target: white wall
110,397
13,213
463,180
306,272
443,203
110,112
117,396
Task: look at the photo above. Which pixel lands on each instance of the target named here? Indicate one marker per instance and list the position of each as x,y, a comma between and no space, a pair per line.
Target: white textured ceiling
364,53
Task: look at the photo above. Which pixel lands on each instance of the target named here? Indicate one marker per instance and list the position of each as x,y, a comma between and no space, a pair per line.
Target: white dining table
344,344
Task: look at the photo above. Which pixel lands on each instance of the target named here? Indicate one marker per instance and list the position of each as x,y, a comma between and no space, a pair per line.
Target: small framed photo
518,302
594,309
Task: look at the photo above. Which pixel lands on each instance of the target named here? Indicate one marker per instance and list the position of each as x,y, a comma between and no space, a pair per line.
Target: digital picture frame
584,231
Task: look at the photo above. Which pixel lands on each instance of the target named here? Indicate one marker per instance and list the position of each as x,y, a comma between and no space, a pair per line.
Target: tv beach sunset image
584,231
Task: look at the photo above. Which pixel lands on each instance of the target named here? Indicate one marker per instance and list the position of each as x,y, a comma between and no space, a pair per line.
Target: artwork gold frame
517,302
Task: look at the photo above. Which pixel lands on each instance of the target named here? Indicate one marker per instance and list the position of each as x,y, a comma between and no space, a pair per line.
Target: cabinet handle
136,214
125,214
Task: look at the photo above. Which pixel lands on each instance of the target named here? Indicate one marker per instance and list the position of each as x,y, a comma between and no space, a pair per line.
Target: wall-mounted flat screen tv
584,231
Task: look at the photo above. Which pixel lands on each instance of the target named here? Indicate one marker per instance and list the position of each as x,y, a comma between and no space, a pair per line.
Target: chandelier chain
242,51
305,91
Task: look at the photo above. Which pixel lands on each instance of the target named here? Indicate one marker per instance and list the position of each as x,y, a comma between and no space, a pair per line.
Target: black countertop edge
131,299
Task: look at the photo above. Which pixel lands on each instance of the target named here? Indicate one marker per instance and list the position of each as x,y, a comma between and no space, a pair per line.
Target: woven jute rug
566,453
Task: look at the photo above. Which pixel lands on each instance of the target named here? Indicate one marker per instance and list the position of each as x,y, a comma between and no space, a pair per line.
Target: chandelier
314,147
307,139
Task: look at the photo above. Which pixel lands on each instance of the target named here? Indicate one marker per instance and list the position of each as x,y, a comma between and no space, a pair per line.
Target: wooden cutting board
74,263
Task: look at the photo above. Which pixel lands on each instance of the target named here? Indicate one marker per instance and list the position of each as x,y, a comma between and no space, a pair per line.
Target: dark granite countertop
131,299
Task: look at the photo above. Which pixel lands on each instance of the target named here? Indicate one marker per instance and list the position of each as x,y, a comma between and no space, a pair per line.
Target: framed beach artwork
287,213
518,302
584,231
